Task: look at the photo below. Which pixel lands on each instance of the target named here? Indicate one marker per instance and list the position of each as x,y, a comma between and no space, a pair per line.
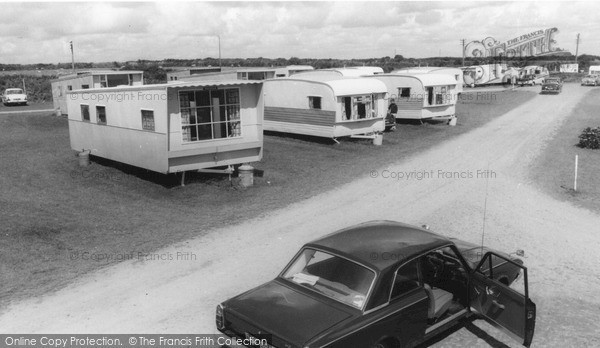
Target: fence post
576,163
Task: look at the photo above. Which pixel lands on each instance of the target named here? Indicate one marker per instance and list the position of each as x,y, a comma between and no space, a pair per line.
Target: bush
590,138
38,88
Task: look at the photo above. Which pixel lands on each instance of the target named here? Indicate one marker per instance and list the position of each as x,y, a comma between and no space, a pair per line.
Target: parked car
14,96
381,284
552,85
590,80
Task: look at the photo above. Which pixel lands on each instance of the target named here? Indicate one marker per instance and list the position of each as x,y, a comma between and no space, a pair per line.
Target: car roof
380,244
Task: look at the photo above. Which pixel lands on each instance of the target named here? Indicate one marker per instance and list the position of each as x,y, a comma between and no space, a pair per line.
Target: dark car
381,284
552,85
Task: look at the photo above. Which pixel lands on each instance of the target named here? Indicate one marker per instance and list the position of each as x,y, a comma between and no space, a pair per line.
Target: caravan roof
429,79
84,73
350,86
343,85
180,84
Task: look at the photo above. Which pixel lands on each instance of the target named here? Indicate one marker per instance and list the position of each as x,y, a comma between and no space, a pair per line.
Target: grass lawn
554,171
61,220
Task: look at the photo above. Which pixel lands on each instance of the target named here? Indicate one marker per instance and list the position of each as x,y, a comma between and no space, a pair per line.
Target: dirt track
560,241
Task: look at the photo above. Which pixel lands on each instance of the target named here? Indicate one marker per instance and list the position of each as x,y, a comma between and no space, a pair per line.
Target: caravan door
508,308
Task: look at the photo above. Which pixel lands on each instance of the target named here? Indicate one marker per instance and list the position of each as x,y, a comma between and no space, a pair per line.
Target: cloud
108,31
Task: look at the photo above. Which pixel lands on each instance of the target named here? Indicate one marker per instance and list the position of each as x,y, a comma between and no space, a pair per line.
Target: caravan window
100,114
357,107
404,92
429,95
210,114
103,82
439,95
314,103
85,112
148,120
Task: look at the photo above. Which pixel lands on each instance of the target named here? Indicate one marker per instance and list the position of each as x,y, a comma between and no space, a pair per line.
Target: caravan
457,73
325,104
169,128
421,96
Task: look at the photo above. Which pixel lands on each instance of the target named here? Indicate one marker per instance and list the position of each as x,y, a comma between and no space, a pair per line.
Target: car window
406,279
501,267
333,276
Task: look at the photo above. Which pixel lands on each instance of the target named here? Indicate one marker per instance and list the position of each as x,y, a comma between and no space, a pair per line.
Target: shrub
38,88
590,138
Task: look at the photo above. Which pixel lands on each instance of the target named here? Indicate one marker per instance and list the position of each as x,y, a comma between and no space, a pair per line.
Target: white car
12,96
590,80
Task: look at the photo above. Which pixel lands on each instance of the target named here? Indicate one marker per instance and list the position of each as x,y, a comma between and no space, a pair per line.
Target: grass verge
554,170
61,221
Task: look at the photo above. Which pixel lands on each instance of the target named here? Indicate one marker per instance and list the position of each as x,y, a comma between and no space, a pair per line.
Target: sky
33,32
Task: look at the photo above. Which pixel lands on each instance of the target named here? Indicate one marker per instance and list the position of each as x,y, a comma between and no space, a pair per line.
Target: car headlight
220,317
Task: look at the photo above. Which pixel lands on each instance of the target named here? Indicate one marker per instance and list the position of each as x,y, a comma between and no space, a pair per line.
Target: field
61,221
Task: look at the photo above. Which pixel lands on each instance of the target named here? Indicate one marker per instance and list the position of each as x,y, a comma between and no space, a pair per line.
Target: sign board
569,68
536,43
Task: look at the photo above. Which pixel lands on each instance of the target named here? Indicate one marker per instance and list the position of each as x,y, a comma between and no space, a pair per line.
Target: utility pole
72,57
577,48
463,51
220,67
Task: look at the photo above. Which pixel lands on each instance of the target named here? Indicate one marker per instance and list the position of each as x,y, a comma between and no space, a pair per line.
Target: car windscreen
336,277
474,255
14,91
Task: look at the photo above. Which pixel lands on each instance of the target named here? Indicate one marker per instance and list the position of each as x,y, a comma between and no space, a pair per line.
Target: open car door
506,307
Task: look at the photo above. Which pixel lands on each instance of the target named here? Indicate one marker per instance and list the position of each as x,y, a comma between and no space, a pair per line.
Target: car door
508,308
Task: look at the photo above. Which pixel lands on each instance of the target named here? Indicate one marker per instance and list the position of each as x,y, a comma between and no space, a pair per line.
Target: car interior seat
439,301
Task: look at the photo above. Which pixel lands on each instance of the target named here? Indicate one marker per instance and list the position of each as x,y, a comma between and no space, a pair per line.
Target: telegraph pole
220,67
463,51
72,57
577,48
